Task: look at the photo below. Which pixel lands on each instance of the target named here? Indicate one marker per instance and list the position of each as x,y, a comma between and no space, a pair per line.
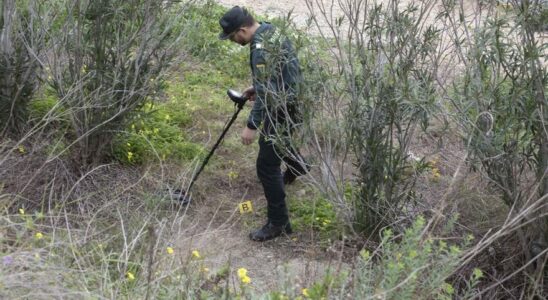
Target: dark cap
232,20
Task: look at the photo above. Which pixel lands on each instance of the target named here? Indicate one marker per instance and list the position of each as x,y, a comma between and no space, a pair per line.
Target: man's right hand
249,93
248,135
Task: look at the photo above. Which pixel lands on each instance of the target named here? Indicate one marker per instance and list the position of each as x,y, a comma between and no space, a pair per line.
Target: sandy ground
219,232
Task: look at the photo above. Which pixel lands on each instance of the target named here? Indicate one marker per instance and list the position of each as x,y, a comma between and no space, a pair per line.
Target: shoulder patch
261,68
260,72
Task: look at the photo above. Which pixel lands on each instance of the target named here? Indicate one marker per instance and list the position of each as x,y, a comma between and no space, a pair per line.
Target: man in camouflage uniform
276,78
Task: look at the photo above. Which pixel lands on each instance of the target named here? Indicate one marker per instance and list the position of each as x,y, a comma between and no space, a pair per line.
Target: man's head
238,26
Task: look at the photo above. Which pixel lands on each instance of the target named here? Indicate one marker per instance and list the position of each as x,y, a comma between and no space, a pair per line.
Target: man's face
239,36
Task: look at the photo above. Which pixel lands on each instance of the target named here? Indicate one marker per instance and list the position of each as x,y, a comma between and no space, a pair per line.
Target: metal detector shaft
239,101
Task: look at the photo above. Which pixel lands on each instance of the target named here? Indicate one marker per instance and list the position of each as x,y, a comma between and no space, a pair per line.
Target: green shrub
116,61
39,108
46,104
501,100
156,134
315,213
415,267
368,108
20,53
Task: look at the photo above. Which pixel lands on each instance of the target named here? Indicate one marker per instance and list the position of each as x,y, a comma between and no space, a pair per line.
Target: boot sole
286,232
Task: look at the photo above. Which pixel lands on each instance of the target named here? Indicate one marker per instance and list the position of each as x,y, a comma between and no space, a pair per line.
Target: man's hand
248,135
249,93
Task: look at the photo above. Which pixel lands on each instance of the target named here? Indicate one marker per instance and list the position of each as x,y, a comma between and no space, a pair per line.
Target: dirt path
219,232
214,226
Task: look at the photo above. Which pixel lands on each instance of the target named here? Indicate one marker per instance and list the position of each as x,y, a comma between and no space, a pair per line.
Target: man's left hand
248,135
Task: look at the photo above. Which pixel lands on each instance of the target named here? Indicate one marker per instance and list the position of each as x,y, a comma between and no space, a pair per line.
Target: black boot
270,231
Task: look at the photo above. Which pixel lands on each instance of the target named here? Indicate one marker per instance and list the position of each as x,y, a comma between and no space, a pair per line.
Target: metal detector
184,197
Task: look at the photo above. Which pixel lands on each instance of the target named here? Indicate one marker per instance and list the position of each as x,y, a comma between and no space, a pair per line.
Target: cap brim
223,36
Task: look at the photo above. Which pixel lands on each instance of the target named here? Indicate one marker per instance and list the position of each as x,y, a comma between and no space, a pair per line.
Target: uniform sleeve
261,83
258,67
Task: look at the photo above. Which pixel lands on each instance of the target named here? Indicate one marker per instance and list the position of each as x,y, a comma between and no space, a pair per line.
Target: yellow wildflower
169,250
130,276
129,155
436,173
246,280
232,175
21,149
196,254
305,293
38,235
242,272
21,211
365,254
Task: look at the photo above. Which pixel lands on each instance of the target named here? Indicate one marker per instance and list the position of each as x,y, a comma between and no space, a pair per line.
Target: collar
258,36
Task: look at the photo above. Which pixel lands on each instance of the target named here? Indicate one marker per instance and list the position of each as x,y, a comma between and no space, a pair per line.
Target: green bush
45,104
501,100
20,53
115,62
315,213
416,267
156,134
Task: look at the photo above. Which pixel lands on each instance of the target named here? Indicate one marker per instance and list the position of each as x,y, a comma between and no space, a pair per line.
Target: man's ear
246,30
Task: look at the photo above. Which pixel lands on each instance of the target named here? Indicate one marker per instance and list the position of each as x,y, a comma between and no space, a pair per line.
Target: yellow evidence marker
245,207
